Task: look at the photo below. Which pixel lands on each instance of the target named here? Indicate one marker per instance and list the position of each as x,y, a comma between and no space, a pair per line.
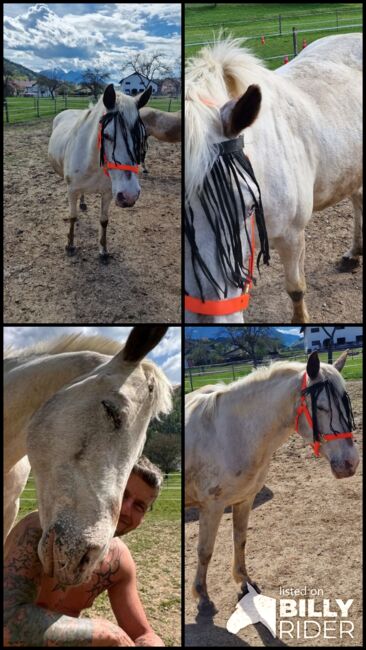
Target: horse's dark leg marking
241,512
210,517
70,248
82,204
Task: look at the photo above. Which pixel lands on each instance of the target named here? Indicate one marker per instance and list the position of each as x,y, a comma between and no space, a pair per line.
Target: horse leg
73,198
82,204
104,208
241,512
208,525
351,259
292,254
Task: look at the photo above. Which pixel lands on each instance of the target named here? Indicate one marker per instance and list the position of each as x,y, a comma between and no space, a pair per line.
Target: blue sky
77,36
167,354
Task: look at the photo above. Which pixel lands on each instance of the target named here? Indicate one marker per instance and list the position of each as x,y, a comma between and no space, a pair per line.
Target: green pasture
229,373
166,508
24,109
253,20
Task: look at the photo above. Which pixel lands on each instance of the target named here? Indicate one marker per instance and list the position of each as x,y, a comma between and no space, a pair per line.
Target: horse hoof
104,258
245,590
70,250
83,207
207,608
348,264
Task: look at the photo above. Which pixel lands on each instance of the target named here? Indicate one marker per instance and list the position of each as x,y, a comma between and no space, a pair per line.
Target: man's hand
150,640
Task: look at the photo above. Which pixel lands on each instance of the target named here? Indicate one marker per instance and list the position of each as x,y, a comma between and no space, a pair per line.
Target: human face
137,499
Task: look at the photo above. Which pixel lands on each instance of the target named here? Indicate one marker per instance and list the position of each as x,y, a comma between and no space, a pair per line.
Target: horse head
122,143
329,425
82,445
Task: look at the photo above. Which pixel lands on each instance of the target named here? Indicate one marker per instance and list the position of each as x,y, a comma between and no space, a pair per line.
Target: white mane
217,74
79,343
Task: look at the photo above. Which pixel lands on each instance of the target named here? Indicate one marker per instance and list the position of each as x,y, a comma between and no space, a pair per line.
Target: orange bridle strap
303,409
111,165
227,305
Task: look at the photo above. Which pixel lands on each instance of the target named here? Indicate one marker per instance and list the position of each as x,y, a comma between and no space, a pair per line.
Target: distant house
32,89
315,338
170,86
136,83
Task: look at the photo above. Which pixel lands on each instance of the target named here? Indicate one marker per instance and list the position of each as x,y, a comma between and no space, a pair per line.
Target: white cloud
166,354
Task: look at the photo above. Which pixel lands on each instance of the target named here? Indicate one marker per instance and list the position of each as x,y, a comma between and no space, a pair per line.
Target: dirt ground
304,531
332,296
143,280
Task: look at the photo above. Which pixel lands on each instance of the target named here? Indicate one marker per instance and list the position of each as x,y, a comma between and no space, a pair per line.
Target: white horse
81,416
97,151
232,432
161,125
305,148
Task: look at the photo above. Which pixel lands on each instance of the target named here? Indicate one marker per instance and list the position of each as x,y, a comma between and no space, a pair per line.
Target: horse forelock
162,393
216,75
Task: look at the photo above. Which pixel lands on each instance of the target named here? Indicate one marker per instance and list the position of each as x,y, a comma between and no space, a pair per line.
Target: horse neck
30,384
270,404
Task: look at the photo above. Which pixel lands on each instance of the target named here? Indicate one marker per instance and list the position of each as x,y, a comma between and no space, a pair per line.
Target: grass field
166,508
24,109
225,374
251,20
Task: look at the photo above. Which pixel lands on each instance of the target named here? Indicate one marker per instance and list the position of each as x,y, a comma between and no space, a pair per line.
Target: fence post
37,106
337,20
294,40
6,111
170,103
233,372
190,377
280,24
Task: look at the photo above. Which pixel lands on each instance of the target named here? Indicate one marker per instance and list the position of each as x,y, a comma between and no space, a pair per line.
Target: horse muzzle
125,200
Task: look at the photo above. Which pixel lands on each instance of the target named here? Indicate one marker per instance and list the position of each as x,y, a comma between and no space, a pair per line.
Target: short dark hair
150,473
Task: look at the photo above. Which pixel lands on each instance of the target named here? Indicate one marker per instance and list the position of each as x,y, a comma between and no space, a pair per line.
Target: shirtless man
38,611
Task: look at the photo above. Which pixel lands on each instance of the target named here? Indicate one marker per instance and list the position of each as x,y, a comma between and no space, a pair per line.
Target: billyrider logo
325,618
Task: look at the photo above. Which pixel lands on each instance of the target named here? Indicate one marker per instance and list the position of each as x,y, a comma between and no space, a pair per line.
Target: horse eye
107,137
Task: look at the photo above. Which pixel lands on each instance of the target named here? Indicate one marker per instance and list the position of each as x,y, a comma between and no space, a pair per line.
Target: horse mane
217,73
211,394
96,343
66,343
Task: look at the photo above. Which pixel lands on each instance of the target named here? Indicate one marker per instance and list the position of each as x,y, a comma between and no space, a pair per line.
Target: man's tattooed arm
26,624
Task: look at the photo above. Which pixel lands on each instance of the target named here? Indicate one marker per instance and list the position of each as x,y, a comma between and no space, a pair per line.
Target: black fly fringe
345,416
138,136
223,204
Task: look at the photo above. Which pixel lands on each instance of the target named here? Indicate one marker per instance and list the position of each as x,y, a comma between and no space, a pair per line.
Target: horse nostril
120,196
84,560
347,464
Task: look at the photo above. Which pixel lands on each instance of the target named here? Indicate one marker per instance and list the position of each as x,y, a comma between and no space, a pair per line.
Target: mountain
18,71
73,76
215,332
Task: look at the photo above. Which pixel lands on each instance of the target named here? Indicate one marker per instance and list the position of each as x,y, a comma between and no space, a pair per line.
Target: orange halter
227,305
303,409
111,165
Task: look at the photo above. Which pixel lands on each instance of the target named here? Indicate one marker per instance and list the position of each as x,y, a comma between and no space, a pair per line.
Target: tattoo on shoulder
104,578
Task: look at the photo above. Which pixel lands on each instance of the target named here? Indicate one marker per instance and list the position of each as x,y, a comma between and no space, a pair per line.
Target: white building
136,83
315,338
34,90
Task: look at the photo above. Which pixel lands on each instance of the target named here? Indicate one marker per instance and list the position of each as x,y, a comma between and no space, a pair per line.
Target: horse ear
339,363
141,341
142,99
109,97
313,365
237,114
